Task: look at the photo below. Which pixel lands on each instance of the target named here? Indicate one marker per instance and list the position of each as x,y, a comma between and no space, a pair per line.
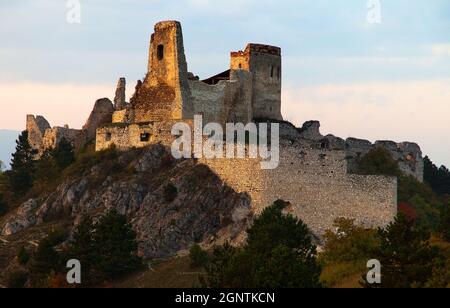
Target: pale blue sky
326,43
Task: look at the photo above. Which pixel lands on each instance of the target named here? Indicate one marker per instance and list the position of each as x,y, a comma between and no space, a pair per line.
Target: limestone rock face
24,218
100,115
203,209
36,127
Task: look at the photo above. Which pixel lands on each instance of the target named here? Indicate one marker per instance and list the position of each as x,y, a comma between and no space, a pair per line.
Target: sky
377,81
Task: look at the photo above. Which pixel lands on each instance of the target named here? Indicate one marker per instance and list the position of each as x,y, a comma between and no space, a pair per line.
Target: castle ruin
315,173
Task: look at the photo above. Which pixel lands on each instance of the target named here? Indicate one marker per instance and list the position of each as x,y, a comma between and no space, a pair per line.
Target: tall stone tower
264,62
165,93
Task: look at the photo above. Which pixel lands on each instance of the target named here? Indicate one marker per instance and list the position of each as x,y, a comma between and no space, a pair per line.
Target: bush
17,280
170,193
45,260
23,257
3,206
378,162
198,256
350,243
57,237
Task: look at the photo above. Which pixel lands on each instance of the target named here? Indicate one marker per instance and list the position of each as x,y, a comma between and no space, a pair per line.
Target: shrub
23,257
350,243
17,280
3,205
378,162
170,193
198,256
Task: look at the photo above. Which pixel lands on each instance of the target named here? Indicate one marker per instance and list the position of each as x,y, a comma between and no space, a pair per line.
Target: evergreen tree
116,246
83,249
22,165
437,178
279,254
445,222
405,255
24,155
3,205
46,259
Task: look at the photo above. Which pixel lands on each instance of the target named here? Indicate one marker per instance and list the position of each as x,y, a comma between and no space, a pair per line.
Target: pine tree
83,249
24,155
22,165
405,255
3,205
279,254
116,246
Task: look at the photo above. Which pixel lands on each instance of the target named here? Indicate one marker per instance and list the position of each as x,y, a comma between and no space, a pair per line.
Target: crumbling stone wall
53,137
317,185
407,154
42,137
100,116
126,136
227,101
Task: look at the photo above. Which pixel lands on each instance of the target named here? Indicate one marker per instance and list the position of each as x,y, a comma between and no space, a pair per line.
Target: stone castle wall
317,185
226,102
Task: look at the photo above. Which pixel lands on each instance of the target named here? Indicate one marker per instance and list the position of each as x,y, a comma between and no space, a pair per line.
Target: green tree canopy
22,165
279,254
378,162
406,257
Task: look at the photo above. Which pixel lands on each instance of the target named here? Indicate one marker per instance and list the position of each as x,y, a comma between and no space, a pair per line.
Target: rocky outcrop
25,217
101,115
36,127
200,208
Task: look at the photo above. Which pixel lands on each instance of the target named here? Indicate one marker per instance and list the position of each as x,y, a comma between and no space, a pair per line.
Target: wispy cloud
404,111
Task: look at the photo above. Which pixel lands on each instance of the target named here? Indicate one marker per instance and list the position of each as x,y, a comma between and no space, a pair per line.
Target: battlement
257,48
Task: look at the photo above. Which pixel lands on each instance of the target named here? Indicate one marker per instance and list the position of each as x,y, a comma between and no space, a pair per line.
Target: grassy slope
171,273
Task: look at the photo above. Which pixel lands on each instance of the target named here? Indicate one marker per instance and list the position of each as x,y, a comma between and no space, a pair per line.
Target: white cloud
441,50
400,111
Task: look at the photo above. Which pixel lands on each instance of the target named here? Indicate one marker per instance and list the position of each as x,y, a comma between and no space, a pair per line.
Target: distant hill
7,145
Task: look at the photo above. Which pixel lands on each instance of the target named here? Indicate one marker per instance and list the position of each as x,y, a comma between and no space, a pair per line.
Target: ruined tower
165,93
264,62
119,99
